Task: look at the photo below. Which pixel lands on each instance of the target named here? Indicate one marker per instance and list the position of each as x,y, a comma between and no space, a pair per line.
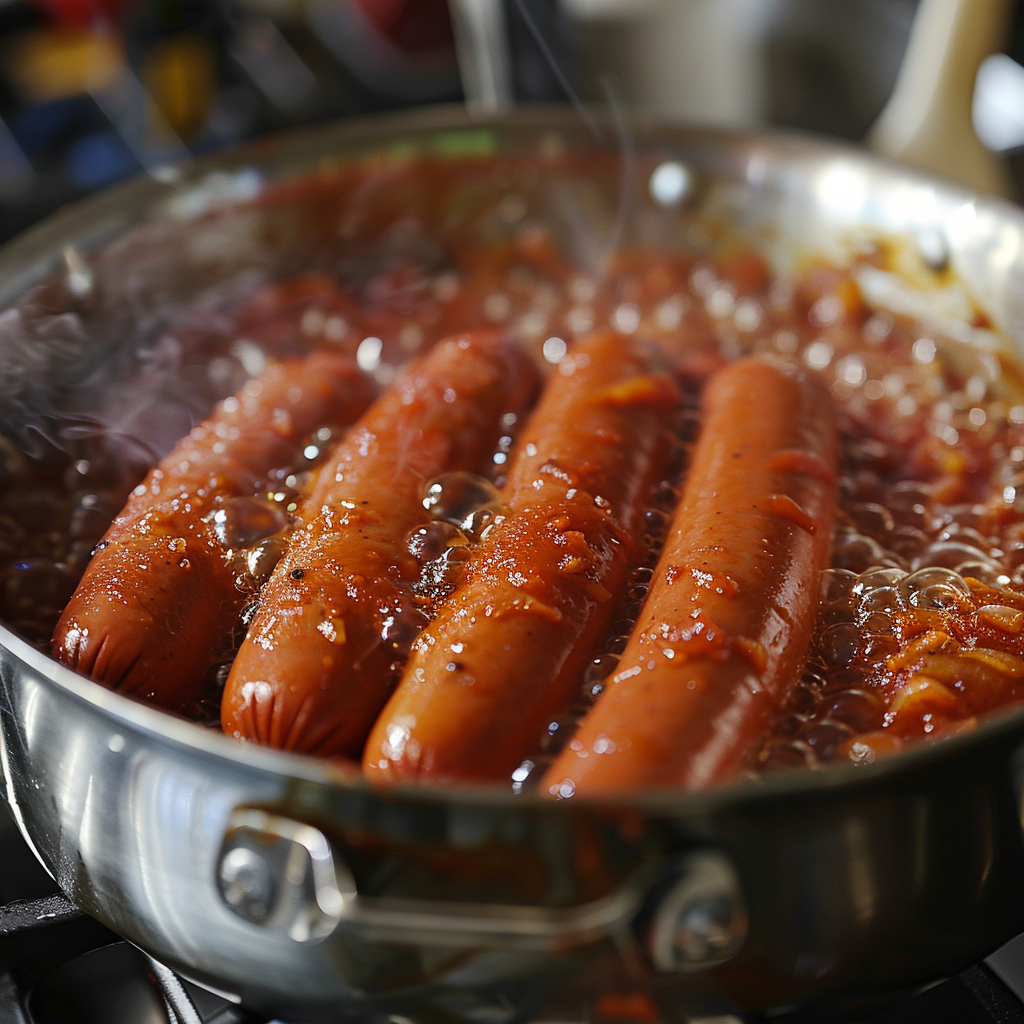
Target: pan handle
927,120
284,875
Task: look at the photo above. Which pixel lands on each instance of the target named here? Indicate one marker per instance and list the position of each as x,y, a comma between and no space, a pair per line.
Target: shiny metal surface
481,46
278,873
470,903
702,921
282,874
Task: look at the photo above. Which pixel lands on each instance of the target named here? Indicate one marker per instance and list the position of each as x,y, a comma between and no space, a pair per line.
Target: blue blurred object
99,159
43,126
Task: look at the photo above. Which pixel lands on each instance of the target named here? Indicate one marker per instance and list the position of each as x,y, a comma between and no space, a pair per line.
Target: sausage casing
326,645
725,628
508,647
159,594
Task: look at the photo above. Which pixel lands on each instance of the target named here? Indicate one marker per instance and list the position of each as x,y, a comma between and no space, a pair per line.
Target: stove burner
40,936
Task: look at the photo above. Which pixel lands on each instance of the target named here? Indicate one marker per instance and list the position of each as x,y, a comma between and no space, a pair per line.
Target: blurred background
92,91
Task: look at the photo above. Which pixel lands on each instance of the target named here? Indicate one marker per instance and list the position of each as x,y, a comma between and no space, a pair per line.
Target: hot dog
159,594
508,647
728,618
324,650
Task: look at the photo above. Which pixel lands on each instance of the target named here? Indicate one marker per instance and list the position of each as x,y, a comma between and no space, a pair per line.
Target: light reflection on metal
481,45
78,275
702,921
842,191
998,106
671,182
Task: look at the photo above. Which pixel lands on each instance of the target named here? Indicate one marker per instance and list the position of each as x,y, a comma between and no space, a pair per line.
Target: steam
627,177
131,345
538,37
599,254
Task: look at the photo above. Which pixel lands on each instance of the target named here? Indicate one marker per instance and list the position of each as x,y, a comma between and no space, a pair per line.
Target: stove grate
39,936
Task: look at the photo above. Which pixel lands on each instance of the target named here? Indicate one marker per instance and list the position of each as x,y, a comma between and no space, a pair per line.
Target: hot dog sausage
508,647
159,594
324,649
728,618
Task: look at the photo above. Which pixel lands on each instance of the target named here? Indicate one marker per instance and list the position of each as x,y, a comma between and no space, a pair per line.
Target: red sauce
921,617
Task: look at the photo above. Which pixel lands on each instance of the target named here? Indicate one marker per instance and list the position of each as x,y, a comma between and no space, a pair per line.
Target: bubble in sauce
241,522
872,519
935,588
857,708
875,579
878,606
786,753
856,552
869,747
478,523
1002,617
878,598
261,559
429,541
950,554
986,572
805,696
455,497
441,575
597,672
964,535
907,541
835,587
825,736
839,643
401,626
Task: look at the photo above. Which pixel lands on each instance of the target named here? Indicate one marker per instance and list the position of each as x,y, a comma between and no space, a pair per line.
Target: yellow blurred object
50,63
180,76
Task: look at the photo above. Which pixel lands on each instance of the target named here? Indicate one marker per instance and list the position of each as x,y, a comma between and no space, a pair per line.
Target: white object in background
481,46
927,121
998,108
694,60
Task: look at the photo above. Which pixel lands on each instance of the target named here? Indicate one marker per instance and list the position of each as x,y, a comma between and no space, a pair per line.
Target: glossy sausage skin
326,645
509,646
725,628
159,595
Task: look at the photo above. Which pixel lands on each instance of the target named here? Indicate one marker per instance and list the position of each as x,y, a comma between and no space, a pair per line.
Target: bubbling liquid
921,613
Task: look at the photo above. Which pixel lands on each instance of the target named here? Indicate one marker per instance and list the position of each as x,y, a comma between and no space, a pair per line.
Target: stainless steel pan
292,885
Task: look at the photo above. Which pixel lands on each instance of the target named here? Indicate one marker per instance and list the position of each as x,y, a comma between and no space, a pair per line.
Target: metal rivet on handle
701,922
283,875
246,884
